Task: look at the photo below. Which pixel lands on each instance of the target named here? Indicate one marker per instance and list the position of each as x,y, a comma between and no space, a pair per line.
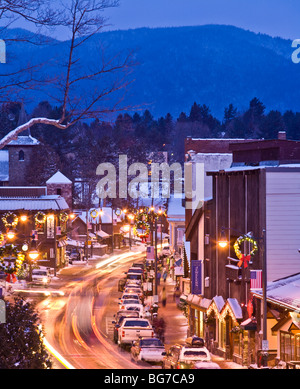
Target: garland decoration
141,225
63,217
245,258
10,219
11,251
40,217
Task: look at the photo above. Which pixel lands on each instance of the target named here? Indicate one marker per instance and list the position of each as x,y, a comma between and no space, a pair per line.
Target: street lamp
223,242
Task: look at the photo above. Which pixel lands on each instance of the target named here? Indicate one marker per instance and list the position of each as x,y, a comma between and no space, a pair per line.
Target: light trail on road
107,348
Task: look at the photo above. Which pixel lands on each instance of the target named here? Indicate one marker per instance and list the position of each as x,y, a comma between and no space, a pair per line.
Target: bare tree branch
84,19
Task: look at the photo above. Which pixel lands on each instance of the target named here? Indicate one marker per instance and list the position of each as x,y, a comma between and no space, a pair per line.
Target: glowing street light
223,242
10,235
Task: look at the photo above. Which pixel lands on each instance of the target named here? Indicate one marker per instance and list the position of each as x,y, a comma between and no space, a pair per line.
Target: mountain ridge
209,64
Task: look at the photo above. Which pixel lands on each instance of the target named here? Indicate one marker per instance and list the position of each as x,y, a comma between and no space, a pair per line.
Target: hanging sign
196,273
50,227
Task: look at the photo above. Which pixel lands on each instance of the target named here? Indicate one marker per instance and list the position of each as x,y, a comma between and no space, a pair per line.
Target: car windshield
130,296
122,314
136,323
133,290
134,308
135,270
128,301
39,273
194,353
133,276
151,343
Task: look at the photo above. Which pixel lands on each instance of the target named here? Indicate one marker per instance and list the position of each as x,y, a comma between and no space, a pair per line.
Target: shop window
287,346
237,342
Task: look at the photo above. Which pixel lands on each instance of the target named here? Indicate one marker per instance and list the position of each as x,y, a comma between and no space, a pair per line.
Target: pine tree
21,344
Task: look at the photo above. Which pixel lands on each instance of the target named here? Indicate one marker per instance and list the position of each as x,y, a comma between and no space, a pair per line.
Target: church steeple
23,118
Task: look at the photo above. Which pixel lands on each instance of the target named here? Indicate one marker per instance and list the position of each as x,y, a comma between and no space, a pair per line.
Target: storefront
197,307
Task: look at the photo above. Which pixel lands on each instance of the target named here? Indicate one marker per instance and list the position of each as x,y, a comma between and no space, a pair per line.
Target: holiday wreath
245,258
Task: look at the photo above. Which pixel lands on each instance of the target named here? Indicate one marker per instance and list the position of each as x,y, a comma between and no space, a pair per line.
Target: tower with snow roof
60,185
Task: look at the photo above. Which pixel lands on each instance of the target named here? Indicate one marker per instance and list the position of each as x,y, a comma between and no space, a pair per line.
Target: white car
41,276
133,290
133,305
185,357
148,349
128,296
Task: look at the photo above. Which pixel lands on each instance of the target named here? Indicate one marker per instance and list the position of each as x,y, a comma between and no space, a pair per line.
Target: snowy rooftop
219,301
175,207
58,178
42,203
236,308
24,140
285,291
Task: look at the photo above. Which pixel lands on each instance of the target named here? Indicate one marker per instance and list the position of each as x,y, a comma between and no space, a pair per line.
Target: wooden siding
283,224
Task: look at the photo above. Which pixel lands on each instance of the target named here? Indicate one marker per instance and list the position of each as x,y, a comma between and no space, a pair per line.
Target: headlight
45,280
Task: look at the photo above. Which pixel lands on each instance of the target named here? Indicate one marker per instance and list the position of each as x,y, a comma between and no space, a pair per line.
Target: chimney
282,135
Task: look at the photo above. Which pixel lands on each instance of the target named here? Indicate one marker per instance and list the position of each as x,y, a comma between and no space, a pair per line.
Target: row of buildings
251,193
45,213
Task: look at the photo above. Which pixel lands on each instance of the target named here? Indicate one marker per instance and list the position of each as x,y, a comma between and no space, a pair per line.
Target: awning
102,234
198,302
249,325
62,243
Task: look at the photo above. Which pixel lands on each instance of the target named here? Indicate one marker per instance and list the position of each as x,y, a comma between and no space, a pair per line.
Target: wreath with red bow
245,258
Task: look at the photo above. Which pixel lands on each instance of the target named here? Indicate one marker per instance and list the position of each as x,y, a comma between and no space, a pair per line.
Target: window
58,191
21,155
288,345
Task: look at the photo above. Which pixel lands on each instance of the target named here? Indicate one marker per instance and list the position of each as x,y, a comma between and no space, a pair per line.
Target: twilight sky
272,17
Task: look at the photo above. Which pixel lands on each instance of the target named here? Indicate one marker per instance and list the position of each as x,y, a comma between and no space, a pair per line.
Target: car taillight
178,365
123,333
152,334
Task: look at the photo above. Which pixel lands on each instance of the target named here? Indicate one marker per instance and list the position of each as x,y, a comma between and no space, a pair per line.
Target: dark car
139,264
120,316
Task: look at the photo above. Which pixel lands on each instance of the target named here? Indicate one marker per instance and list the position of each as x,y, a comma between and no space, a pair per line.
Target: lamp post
223,242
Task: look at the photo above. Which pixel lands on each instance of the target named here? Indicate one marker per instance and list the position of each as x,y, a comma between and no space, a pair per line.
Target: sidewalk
177,323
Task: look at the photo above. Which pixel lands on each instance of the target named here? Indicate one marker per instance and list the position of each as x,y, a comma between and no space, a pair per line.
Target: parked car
120,316
129,296
132,329
41,276
139,264
148,349
136,277
185,356
134,290
137,270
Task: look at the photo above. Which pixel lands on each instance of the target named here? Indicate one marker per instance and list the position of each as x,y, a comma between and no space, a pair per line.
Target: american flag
256,279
